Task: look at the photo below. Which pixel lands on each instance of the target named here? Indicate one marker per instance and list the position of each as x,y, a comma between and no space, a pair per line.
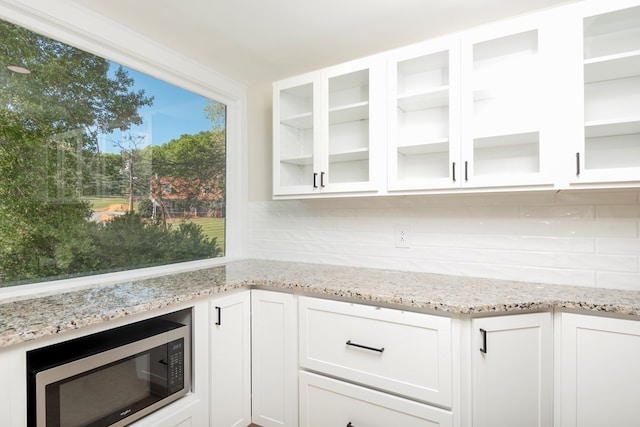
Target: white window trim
67,22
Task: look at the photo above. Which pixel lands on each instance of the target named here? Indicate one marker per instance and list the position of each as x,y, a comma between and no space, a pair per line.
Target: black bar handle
453,169
315,178
219,310
379,350
322,179
350,425
466,171
483,349
577,164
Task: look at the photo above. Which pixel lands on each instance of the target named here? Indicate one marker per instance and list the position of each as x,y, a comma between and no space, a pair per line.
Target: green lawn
212,227
101,203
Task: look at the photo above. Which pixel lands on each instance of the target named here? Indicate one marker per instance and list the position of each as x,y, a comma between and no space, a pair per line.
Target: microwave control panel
175,353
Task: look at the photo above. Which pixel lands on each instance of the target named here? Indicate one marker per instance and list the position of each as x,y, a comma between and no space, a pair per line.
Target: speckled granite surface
28,319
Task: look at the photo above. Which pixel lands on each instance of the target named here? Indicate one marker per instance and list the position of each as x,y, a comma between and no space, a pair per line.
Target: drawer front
328,402
402,352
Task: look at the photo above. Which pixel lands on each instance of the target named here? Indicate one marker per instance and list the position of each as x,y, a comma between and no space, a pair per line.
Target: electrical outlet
402,236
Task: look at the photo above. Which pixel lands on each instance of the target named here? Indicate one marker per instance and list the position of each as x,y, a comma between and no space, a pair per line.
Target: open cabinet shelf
420,153
505,91
433,98
612,95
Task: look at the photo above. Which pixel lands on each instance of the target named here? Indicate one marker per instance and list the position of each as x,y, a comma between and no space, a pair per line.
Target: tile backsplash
586,238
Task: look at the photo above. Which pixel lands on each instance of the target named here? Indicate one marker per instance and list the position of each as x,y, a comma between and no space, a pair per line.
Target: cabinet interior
348,138
612,89
422,104
296,135
506,105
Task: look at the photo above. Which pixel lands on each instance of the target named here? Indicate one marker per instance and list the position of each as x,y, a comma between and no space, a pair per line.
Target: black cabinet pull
322,179
366,347
350,425
483,349
466,171
315,178
453,169
577,164
219,310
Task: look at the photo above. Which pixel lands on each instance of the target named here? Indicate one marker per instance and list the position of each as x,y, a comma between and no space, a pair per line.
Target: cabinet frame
620,131
576,332
485,406
230,326
546,26
448,141
364,119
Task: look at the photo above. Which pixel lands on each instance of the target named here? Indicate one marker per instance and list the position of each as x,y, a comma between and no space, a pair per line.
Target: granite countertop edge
35,317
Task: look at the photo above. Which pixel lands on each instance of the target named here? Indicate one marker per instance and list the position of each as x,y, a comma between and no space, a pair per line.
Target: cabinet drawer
398,351
328,402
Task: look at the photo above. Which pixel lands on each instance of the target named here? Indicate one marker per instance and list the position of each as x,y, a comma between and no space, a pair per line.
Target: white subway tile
598,262
618,211
555,276
618,246
564,238
608,280
598,228
600,197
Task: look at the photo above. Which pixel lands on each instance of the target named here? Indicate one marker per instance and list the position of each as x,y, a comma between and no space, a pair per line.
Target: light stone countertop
32,318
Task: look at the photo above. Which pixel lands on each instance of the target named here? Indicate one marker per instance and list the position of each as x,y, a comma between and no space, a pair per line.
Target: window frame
70,23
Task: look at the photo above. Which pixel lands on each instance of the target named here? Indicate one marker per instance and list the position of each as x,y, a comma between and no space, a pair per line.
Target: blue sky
174,112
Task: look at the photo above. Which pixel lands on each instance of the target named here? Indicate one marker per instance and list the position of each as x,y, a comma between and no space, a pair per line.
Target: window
104,168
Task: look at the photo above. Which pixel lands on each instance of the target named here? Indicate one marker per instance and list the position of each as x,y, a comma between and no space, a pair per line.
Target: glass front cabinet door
296,130
609,149
329,130
424,116
506,92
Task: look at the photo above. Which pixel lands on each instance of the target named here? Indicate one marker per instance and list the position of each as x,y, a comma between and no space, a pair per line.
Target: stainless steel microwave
110,378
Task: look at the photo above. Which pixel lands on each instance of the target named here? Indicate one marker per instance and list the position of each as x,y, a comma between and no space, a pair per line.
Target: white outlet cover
402,236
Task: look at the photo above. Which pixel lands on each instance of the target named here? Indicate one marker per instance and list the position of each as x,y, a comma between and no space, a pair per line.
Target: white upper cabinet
609,147
424,116
549,100
296,128
506,128
329,130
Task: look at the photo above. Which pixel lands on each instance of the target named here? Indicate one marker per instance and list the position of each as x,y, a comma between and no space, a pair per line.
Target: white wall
587,238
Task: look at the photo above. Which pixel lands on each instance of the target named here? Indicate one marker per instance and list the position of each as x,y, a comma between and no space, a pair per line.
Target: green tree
191,166
49,122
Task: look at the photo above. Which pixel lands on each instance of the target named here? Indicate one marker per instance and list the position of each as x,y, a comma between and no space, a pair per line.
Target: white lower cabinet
388,366
599,372
274,363
329,402
403,352
512,370
230,352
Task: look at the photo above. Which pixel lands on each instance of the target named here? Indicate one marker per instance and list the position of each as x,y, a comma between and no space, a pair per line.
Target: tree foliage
50,120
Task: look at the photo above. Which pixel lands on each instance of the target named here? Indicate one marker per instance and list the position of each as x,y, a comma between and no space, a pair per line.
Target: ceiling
254,41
